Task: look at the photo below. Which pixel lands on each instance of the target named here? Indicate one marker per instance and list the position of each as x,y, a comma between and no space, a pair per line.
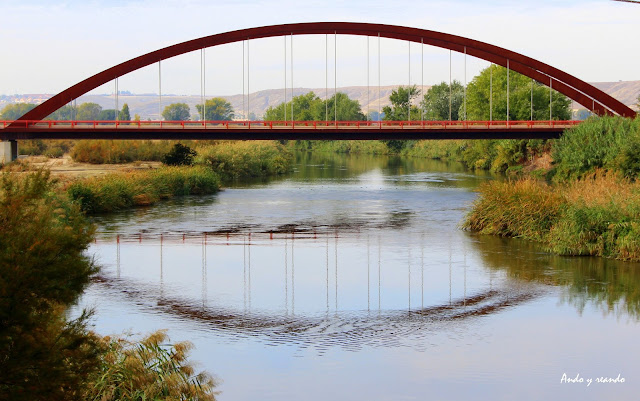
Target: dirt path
65,166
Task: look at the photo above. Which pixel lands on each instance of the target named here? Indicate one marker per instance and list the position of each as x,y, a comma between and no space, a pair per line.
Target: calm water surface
350,279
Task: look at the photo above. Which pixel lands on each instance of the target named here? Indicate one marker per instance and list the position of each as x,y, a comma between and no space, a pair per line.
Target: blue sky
50,45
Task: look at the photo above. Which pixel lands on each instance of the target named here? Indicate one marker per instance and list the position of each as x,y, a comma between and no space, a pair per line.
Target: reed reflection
611,286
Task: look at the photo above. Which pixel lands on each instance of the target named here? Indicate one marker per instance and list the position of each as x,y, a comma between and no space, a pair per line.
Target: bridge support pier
8,151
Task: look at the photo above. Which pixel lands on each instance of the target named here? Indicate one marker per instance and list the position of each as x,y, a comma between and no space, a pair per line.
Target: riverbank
499,156
577,195
102,188
589,204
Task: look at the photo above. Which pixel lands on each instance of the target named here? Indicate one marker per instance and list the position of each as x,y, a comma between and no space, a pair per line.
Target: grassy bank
591,206
120,191
495,155
244,159
597,216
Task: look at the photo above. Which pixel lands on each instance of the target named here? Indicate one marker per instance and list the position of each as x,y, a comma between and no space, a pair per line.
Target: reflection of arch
587,95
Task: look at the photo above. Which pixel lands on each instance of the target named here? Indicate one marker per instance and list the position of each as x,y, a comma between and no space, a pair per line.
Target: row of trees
486,98
216,109
310,107
85,112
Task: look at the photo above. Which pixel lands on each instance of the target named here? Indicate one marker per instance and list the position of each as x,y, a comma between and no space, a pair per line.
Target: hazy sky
47,46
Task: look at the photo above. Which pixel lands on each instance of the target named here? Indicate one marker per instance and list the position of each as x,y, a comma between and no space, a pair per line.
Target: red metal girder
562,81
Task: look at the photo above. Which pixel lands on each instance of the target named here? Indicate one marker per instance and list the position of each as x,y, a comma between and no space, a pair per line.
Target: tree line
484,98
85,112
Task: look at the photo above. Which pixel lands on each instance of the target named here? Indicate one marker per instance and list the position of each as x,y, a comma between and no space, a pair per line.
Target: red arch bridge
33,125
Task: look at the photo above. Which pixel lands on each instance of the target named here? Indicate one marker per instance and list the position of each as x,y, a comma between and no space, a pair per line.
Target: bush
120,191
179,155
148,370
526,209
43,269
598,215
103,151
609,143
246,159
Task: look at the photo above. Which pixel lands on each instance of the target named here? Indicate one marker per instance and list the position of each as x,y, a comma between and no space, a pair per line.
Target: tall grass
350,146
110,151
148,370
609,143
37,147
525,208
243,159
141,188
598,215
494,155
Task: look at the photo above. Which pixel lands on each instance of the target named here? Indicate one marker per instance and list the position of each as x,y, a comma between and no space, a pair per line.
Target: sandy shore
65,166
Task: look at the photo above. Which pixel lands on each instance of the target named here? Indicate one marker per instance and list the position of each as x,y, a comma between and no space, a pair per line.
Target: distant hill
146,105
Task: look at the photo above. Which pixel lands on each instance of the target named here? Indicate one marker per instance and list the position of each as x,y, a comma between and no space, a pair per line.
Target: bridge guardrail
316,125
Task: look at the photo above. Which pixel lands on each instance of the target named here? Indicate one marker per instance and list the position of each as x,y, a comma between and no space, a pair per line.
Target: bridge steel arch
587,95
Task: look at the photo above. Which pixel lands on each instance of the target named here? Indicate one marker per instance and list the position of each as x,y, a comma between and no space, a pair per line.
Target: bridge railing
254,125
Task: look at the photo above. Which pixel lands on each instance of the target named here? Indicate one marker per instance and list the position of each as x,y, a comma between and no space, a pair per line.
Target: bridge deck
267,130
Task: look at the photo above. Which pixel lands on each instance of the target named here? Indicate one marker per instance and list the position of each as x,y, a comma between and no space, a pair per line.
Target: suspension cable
379,109
507,91
160,90
450,89
243,70
409,87
326,77
292,77
531,99
465,83
491,92
284,105
248,82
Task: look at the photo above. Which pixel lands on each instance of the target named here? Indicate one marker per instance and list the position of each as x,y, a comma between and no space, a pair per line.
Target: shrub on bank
609,143
43,269
598,215
526,209
110,151
37,147
148,370
246,158
141,188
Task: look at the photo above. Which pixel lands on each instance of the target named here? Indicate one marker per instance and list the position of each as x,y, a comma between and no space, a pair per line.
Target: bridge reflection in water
347,289
324,288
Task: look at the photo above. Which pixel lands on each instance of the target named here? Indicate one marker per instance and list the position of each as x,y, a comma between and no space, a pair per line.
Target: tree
442,98
217,109
15,111
124,114
400,99
305,108
88,111
309,107
176,112
107,115
43,269
348,110
480,96
64,113
179,155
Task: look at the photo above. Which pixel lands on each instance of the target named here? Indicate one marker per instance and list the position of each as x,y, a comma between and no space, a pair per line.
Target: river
349,278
